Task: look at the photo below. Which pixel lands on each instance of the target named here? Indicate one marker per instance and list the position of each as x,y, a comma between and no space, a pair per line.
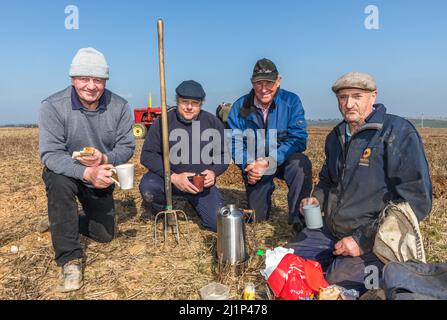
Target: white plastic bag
272,259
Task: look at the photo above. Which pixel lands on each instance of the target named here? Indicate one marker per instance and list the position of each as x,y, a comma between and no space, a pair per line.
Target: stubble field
133,266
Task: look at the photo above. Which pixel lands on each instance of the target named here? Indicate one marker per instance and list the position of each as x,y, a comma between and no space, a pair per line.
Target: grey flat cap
355,80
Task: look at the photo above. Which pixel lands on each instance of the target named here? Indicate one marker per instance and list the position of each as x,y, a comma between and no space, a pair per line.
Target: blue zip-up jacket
285,116
383,161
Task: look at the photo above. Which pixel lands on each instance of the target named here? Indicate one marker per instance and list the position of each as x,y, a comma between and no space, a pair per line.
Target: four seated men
372,158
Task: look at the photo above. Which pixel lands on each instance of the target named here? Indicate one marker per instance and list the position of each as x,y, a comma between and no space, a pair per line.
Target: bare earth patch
132,266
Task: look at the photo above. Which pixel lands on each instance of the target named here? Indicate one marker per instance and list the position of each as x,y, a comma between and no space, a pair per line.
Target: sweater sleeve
125,140
152,152
52,144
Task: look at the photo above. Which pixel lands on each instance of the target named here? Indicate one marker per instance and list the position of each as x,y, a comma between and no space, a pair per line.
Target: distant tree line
22,125
427,123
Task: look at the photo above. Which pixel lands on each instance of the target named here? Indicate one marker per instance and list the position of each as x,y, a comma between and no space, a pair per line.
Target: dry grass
132,266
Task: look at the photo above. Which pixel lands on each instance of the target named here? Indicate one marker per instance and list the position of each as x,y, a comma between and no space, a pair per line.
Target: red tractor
144,118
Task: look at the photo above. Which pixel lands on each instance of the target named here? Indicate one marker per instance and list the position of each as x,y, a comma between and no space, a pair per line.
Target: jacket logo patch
364,161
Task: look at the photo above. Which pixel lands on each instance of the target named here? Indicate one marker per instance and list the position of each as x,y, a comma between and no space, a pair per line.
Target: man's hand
308,201
256,170
94,160
181,182
99,176
210,178
347,247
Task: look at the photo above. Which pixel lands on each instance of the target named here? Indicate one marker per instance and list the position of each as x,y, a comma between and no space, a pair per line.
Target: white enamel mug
125,173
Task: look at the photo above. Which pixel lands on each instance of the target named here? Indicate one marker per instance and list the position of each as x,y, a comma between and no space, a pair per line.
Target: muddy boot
71,276
297,227
146,211
298,224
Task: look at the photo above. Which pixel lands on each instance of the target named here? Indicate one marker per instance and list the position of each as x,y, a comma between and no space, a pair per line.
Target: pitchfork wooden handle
164,117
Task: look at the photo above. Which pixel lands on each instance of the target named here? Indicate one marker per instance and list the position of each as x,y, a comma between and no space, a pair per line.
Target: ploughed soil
133,265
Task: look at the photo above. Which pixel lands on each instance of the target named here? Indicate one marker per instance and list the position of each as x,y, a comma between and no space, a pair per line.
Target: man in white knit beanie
89,64
85,114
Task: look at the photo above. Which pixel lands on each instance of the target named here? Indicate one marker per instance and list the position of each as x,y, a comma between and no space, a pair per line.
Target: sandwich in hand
87,151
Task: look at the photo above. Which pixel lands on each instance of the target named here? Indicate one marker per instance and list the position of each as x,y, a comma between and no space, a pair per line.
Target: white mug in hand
125,174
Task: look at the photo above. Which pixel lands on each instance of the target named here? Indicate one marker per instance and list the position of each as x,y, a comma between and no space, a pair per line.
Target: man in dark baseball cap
185,122
264,70
270,109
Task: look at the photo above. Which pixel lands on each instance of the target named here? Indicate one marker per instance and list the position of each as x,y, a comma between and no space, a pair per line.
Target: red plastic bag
296,278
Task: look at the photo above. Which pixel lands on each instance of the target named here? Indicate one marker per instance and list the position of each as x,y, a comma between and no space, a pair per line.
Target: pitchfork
170,216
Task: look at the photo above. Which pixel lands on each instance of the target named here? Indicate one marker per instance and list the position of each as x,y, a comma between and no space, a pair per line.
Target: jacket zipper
342,191
267,136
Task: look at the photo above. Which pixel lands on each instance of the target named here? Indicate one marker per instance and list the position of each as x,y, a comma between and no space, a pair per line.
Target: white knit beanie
89,62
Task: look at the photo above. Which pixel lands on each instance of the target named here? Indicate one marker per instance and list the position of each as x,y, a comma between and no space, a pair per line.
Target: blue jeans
347,272
297,172
206,203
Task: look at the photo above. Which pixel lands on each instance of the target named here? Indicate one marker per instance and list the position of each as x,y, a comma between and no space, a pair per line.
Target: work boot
146,211
71,277
298,224
297,227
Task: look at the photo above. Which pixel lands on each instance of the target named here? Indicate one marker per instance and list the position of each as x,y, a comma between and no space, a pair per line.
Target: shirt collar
259,106
77,105
348,132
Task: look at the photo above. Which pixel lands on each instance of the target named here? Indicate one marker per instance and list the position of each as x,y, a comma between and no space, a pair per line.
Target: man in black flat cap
197,146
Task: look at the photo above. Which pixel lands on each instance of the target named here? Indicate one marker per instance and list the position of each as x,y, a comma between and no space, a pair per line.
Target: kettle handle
225,211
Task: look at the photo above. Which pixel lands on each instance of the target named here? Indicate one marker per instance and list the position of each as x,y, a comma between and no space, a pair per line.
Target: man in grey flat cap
84,115
372,158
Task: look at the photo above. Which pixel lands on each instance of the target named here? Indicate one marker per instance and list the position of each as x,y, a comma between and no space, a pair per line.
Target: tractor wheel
139,130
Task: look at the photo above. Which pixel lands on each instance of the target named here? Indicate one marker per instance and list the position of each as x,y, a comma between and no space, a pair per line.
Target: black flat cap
264,70
190,90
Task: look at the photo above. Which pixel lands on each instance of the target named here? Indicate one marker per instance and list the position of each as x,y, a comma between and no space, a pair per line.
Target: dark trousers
347,272
297,172
206,203
66,224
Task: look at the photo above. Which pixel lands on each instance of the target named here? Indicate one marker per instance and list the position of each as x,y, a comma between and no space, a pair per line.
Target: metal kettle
231,246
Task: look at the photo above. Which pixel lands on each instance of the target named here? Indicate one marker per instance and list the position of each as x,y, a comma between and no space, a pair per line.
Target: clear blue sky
217,44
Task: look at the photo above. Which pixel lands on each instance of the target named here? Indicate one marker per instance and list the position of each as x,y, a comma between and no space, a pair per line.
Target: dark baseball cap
264,70
190,90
